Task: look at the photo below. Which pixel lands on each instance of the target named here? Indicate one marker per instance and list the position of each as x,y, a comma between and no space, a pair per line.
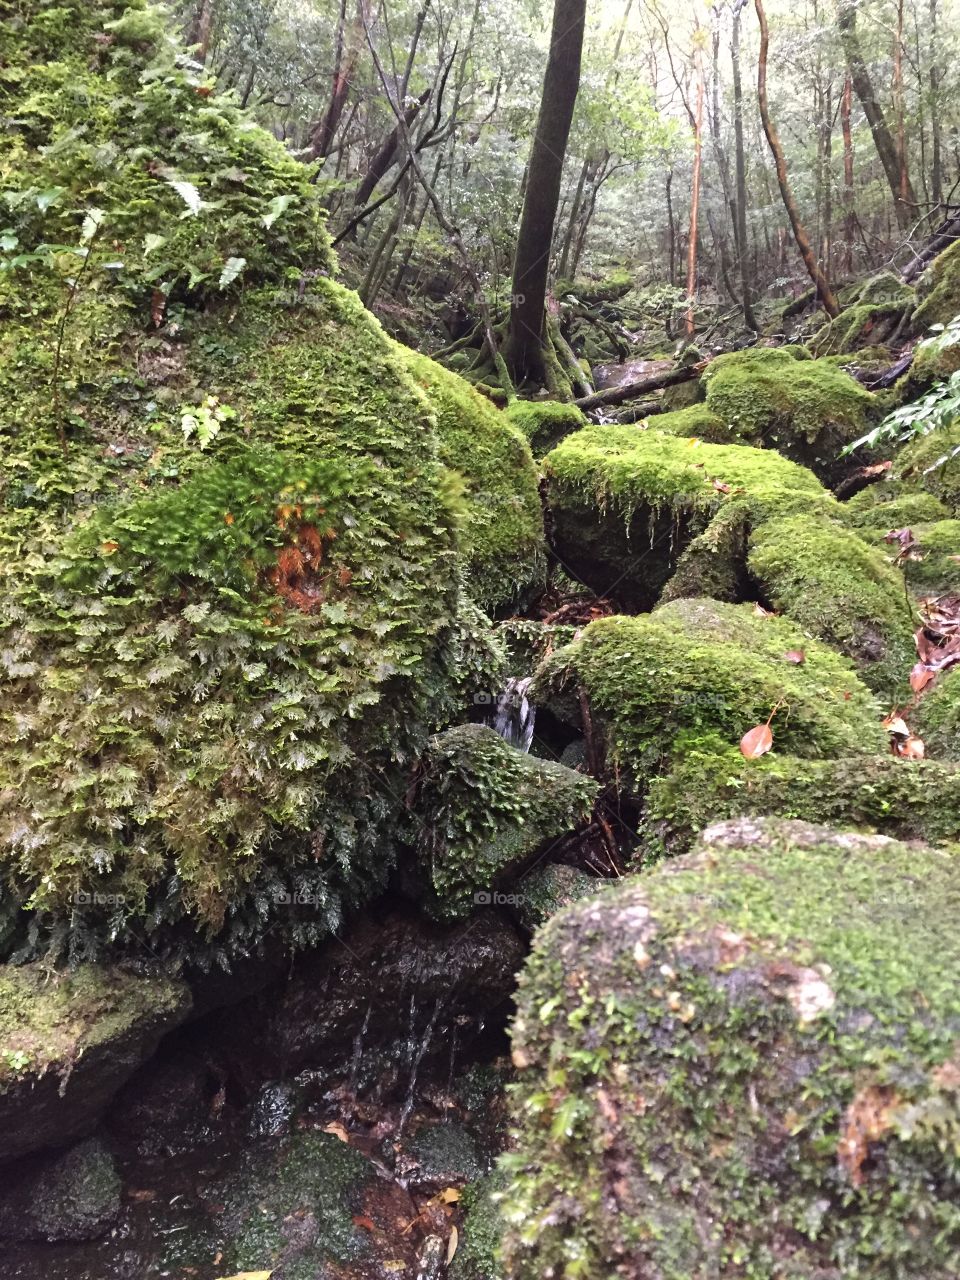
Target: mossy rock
694,422
477,1257
909,800
915,467
882,507
805,409
885,286
483,809
933,565
701,672
549,887
71,1196
502,530
939,290
626,501
937,716
744,1063
544,423
863,325
238,591
68,1043
840,589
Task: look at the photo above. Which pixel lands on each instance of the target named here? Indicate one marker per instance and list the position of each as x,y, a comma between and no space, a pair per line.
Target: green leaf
188,193
231,269
277,206
152,242
48,197
91,225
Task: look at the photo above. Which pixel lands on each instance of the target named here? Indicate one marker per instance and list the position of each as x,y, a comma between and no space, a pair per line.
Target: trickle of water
358,1040
514,717
415,1065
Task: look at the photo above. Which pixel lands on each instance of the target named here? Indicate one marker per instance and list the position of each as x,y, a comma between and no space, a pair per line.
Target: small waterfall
515,717
415,1065
358,1040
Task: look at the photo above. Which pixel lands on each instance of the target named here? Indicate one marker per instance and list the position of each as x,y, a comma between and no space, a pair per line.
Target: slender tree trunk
740,220
863,87
824,292
349,42
672,228
904,182
572,222
531,263
849,226
689,321
386,154
201,29
936,127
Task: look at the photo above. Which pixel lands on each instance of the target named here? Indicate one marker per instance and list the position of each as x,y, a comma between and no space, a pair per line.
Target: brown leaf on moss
796,656
866,1120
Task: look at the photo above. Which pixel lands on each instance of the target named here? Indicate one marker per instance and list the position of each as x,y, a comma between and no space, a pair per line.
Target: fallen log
630,390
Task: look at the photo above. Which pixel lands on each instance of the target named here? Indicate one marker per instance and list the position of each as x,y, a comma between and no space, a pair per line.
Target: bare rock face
67,1044
744,1063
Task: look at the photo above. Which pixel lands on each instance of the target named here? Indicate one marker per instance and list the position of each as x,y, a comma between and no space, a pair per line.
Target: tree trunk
531,262
740,220
202,26
849,226
689,321
863,87
936,128
824,292
387,153
903,187
349,41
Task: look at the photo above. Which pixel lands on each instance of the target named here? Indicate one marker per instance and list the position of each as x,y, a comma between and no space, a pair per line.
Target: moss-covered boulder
906,799
937,716
917,467
840,589
698,673
483,809
236,520
549,887
780,399
68,1043
502,529
882,508
744,1063
932,564
544,423
939,290
71,1196
625,501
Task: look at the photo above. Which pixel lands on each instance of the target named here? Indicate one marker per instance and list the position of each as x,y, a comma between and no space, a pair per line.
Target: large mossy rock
69,1196
939,290
67,1044
937,716
779,398
483,809
744,1063
695,675
233,543
906,799
626,501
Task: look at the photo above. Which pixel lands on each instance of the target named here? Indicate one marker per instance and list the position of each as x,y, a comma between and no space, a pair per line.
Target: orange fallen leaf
228,518
109,547
337,1129
756,741
911,749
452,1244
920,677
361,1220
721,487
796,656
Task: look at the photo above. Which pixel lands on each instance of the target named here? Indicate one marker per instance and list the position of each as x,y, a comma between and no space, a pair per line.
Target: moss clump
933,566
502,531
880,509
548,888
939,290
483,808
75,1196
937,717
866,324
314,1174
67,1044
915,466
908,800
477,1257
626,501
805,409
699,670
227,637
544,423
839,589
744,1063
695,422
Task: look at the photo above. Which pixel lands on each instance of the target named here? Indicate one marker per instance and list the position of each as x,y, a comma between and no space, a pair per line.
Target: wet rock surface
70,1196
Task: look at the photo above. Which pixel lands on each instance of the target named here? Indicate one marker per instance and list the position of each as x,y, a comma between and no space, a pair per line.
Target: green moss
939,290
937,716
866,323
483,808
695,422
839,589
544,423
503,527
225,654
476,1258
880,508
806,409
744,1064
933,565
911,466
700,669
549,887
885,286
909,800
314,1174
47,1024
74,1196
627,500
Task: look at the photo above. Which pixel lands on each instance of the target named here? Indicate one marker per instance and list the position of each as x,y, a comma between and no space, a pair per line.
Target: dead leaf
361,1220
760,612
911,749
896,725
141,1197
796,656
866,1120
452,1244
756,742
338,1131
109,547
721,487
920,677
249,1275
158,306
449,1195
